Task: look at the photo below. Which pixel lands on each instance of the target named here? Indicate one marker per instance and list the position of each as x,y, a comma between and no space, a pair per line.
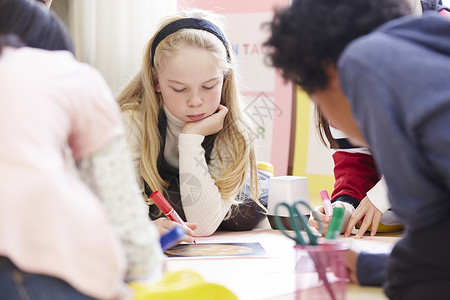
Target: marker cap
324,194
161,202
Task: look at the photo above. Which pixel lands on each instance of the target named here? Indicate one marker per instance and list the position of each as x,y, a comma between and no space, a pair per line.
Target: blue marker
171,238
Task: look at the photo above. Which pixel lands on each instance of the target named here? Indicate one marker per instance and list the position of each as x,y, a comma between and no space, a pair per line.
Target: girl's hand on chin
209,125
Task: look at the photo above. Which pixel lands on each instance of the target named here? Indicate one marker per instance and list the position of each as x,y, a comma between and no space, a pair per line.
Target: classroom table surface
271,276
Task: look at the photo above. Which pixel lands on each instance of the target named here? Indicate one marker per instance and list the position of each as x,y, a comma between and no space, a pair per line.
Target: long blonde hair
237,136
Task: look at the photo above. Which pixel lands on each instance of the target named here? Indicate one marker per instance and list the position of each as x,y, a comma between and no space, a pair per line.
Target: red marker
326,203
166,208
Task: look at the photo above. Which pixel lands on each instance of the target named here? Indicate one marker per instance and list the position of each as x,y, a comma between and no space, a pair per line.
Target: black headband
187,23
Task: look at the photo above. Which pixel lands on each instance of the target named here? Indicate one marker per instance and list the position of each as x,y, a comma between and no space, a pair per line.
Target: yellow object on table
184,285
384,228
265,166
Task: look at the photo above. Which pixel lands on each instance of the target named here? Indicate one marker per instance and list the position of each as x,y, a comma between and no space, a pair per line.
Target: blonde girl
186,130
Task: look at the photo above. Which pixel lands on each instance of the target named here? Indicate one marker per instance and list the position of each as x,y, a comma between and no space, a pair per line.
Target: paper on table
262,273
217,250
376,244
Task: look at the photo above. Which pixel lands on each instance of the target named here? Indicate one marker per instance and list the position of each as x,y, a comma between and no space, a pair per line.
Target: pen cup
320,271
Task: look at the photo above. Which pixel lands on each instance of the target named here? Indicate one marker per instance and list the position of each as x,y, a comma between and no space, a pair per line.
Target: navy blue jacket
397,80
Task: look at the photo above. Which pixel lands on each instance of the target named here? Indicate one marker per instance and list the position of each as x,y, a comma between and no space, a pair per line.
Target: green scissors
297,221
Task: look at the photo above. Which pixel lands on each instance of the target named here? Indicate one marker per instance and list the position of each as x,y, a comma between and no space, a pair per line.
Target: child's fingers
314,223
222,108
320,210
325,226
220,113
191,226
352,222
163,225
187,238
320,213
188,231
365,225
348,229
375,223
351,259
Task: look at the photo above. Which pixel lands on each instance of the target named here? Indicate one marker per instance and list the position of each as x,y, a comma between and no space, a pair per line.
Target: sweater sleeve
378,196
371,268
201,199
133,136
125,208
354,170
355,174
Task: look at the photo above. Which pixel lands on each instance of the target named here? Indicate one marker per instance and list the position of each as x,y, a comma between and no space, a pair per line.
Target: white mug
287,189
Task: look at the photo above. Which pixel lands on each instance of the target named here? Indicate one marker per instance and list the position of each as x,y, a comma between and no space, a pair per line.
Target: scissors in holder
298,222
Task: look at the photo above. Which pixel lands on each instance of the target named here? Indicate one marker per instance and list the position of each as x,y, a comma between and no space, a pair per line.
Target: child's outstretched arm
367,269
109,174
202,201
133,135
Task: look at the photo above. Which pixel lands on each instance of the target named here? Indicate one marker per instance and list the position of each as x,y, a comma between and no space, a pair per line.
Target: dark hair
311,34
430,4
323,128
34,25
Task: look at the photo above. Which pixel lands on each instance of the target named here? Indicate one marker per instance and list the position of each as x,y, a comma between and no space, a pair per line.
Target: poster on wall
268,98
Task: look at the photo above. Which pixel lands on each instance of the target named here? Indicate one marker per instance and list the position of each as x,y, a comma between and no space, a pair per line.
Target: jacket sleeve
124,206
371,268
355,174
355,171
378,196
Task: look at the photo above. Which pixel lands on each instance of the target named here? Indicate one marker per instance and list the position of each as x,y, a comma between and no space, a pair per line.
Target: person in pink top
72,222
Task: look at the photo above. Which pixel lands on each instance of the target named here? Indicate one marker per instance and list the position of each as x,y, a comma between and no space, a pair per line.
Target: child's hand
351,259
320,212
209,125
372,215
164,225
